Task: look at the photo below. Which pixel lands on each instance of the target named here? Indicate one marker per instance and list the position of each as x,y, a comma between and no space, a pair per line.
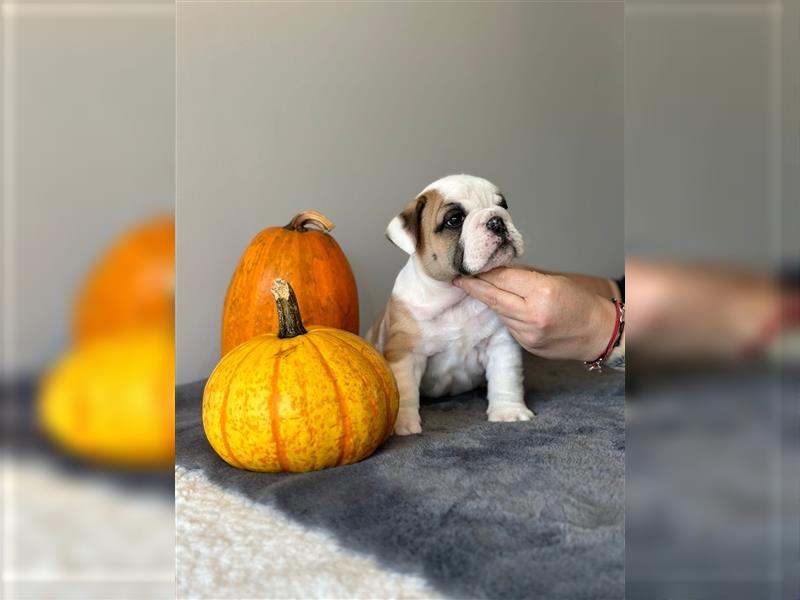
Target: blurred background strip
712,247
88,193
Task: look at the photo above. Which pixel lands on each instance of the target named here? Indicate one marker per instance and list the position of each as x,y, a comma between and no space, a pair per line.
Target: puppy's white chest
456,343
460,327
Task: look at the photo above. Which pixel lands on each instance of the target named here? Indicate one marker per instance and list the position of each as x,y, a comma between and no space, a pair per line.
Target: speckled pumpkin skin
317,400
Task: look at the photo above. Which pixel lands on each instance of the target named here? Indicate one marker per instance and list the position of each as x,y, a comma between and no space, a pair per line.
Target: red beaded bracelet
787,316
616,338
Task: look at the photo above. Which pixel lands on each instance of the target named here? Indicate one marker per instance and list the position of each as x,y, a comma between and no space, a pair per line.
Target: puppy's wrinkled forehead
471,192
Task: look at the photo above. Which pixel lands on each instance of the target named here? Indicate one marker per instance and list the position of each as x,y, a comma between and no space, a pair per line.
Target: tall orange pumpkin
132,286
311,259
300,400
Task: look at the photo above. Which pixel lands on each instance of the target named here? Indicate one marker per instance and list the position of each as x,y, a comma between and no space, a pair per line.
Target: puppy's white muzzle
489,240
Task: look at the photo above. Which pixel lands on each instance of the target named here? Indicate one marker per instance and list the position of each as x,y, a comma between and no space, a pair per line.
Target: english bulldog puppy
437,339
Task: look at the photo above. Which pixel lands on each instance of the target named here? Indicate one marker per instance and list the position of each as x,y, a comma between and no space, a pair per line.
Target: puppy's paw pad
408,424
509,413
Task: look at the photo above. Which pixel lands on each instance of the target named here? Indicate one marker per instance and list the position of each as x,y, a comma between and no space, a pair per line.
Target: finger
517,281
500,301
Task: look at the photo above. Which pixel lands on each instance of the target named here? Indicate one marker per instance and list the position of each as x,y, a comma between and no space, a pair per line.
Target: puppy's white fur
458,342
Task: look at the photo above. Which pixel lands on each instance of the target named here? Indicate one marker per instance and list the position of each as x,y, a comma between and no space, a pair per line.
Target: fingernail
457,282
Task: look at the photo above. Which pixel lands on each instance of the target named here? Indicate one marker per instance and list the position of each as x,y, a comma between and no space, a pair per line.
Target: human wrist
602,325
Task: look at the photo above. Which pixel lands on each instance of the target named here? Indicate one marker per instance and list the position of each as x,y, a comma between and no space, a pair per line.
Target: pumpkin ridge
244,282
233,291
346,432
223,418
230,294
342,343
308,269
253,305
312,432
274,397
373,400
246,405
386,392
349,319
324,279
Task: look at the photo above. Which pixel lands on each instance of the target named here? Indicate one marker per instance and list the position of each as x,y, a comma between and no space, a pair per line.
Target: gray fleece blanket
480,510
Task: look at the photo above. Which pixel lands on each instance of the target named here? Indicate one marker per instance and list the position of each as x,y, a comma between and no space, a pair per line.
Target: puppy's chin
503,255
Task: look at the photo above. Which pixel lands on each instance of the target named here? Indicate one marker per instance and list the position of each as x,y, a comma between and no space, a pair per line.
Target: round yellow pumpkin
112,400
300,400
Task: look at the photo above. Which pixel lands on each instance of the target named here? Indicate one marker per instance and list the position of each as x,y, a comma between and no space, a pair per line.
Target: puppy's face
458,225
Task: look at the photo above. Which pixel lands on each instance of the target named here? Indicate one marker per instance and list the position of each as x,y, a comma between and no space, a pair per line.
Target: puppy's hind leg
408,373
506,390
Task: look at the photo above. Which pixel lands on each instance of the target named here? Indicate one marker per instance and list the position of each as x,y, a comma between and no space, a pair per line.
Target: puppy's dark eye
454,220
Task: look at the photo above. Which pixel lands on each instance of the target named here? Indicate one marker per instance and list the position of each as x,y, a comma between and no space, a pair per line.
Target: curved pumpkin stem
310,216
290,324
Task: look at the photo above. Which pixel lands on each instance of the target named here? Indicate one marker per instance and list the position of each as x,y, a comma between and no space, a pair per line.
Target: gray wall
89,101
351,109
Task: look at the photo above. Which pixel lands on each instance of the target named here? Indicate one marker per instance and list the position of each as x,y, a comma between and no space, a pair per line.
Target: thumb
515,280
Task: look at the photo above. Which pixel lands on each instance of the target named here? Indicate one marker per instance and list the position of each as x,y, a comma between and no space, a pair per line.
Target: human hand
551,316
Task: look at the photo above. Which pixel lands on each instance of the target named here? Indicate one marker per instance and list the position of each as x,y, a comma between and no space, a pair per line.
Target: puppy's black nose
496,225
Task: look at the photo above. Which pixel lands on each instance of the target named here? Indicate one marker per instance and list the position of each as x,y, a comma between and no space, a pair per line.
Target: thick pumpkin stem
310,216
289,322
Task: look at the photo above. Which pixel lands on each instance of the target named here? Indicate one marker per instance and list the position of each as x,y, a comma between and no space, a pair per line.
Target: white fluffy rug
230,547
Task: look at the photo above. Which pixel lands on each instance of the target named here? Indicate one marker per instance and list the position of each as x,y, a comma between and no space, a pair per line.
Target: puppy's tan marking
436,249
401,331
412,220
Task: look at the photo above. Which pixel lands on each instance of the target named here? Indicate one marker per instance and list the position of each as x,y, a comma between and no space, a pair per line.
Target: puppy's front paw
509,412
408,423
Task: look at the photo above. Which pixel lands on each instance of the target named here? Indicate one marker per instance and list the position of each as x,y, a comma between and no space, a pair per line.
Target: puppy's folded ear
405,230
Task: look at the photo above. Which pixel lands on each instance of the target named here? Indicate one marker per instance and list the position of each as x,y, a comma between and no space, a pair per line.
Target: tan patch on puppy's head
413,230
